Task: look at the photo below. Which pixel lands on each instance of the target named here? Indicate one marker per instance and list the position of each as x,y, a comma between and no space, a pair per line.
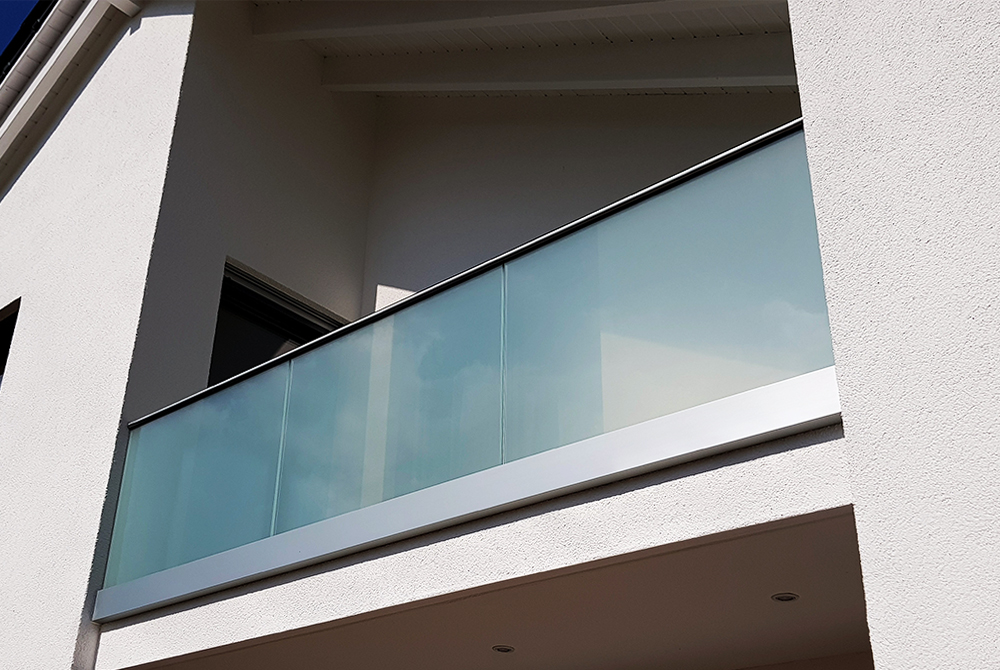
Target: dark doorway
259,320
8,317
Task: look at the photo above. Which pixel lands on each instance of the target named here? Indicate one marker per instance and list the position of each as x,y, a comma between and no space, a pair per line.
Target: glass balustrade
698,292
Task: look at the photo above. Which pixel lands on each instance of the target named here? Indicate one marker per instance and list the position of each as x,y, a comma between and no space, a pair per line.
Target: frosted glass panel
200,480
324,452
411,401
442,409
709,289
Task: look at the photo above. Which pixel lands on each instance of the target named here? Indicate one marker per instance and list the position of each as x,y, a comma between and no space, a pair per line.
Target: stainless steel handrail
593,217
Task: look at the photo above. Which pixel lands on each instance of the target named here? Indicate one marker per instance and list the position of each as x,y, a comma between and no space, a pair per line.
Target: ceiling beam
321,20
749,60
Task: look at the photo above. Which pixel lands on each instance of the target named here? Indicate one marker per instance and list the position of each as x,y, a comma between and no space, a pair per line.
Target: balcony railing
698,289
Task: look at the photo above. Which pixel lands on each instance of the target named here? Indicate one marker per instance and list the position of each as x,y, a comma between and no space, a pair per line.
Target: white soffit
384,43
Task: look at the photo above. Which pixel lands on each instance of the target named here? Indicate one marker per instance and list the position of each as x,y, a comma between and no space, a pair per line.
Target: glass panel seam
281,448
503,361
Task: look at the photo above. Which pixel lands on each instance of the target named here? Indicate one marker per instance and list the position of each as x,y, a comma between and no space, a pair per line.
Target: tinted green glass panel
701,292
324,455
443,403
411,401
706,290
200,480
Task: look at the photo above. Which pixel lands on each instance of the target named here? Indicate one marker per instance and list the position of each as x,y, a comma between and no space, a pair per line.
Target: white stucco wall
76,227
901,111
461,180
267,168
903,127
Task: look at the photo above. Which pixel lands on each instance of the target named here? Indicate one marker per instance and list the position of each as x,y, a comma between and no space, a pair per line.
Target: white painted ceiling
422,35
660,22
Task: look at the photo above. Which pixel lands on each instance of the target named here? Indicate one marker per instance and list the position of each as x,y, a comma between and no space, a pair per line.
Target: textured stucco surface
267,168
903,128
76,227
795,476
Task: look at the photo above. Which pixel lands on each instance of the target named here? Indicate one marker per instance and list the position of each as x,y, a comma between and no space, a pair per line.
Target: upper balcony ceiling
539,46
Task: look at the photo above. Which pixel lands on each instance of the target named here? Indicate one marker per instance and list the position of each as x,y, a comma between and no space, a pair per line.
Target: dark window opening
19,21
259,320
8,317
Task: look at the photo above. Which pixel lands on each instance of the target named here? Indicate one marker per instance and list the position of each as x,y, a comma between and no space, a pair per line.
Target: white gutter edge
34,54
127,7
59,59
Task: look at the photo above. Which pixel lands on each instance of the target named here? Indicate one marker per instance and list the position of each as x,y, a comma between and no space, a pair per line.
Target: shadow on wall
458,181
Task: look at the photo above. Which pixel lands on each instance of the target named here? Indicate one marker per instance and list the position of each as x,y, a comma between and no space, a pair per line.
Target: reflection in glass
443,412
200,480
706,290
409,402
324,452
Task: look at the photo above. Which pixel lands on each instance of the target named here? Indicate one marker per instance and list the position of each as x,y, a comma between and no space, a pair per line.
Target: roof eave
45,59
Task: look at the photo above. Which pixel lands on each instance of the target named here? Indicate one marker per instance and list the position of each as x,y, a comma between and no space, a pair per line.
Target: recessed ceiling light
503,648
785,597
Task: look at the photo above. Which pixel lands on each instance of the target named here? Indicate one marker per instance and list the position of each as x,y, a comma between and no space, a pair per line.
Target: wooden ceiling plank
738,61
320,20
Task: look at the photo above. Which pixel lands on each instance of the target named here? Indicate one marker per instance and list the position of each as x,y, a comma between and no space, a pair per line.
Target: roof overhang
53,50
